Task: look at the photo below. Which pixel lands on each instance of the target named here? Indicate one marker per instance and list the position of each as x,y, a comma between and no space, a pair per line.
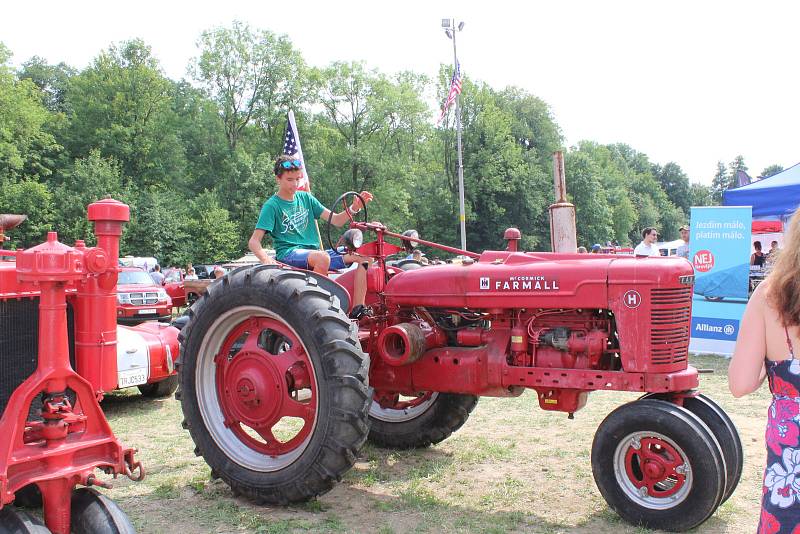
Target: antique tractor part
7,222
560,324
56,435
273,384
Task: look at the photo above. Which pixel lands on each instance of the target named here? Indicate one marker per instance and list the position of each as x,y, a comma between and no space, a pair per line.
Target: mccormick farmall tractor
59,352
280,390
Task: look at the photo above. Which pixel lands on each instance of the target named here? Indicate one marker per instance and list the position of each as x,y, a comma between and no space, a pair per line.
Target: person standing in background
683,250
648,245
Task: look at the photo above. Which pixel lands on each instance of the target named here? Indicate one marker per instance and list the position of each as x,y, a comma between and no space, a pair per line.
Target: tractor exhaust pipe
563,231
405,343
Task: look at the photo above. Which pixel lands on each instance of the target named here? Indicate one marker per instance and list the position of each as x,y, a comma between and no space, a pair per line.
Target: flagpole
462,218
461,214
291,124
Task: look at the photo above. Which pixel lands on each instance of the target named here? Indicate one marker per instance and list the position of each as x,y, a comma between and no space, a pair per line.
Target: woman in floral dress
768,336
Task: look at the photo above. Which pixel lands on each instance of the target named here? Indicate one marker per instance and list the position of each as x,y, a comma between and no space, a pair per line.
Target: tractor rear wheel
94,513
273,385
161,389
658,465
417,422
14,521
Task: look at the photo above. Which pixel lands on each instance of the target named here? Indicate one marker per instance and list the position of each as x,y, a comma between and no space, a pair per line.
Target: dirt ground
511,468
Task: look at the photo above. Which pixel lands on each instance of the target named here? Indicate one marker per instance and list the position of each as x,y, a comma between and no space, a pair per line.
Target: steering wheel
343,201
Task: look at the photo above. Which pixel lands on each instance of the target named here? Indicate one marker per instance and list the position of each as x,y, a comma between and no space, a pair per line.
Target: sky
694,82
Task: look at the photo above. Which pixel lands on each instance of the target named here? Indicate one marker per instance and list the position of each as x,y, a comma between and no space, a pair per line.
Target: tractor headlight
353,238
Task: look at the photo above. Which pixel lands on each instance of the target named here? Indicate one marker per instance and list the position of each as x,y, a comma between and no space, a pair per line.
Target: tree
28,197
675,184
88,180
26,147
214,236
722,182
122,105
354,103
52,81
251,75
593,215
770,171
701,195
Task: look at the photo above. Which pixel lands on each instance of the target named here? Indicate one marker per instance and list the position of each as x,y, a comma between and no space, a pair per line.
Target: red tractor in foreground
59,352
280,390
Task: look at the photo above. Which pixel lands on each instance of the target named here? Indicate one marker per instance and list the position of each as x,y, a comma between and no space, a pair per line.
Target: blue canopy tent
775,197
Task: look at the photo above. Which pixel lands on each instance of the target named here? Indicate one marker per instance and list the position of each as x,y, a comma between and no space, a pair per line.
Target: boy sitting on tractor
287,217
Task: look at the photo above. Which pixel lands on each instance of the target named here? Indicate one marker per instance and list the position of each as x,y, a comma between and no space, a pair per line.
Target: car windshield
135,277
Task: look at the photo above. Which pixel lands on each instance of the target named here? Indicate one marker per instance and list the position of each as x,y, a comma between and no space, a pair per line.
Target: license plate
132,377
148,311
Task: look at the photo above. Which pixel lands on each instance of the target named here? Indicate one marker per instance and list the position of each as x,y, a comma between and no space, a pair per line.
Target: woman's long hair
784,280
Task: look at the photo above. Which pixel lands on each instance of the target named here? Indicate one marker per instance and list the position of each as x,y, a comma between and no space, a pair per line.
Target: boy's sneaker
359,311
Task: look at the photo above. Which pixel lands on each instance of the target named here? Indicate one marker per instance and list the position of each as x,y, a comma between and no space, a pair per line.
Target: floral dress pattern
780,502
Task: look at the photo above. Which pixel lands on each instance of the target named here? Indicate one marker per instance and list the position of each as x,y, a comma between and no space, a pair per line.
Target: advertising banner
719,245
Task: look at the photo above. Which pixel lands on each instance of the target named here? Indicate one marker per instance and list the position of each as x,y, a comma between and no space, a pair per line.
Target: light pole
450,29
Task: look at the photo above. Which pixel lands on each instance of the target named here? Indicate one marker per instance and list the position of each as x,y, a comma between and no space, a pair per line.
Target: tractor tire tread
341,364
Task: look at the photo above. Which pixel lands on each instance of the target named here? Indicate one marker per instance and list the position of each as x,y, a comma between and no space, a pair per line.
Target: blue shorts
299,258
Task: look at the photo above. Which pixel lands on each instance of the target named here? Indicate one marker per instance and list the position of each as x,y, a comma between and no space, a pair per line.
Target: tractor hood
502,279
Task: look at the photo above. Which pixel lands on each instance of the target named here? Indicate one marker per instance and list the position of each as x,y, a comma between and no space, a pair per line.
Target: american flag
291,147
455,90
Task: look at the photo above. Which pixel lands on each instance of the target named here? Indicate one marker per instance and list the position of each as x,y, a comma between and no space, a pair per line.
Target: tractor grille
19,342
144,299
670,319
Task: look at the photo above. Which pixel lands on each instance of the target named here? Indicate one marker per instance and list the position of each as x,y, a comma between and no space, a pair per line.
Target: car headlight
162,295
124,298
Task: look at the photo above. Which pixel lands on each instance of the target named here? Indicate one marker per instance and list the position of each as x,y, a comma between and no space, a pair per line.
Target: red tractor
59,352
280,390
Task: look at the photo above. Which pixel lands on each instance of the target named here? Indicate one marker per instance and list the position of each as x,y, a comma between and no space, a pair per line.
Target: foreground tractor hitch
52,449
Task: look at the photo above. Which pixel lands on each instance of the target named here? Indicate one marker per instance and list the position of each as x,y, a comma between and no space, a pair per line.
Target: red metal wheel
261,370
655,467
389,404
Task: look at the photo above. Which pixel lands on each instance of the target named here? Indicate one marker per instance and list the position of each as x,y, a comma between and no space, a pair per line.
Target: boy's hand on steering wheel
357,205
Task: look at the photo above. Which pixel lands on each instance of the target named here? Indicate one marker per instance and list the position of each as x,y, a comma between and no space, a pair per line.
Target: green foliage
122,105
253,76
26,147
772,170
194,162
722,181
212,235
675,184
31,198
52,81
88,180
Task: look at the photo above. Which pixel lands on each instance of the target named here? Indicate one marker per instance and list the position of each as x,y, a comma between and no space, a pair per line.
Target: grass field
511,468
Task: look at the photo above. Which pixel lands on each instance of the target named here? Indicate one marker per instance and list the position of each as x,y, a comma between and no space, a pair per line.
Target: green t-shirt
291,223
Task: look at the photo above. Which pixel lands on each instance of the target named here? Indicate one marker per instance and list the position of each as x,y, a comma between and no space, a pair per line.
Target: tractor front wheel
415,422
658,465
94,513
273,384
14,521
724,430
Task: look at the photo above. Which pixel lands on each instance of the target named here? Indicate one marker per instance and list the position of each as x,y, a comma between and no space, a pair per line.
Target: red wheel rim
392,401
657,466
259,385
